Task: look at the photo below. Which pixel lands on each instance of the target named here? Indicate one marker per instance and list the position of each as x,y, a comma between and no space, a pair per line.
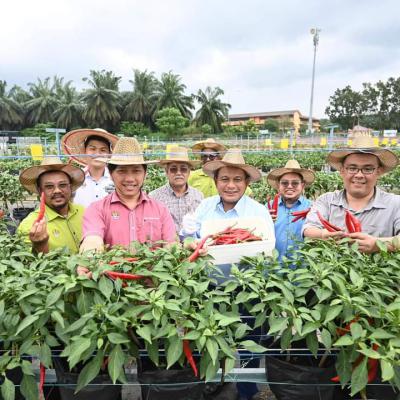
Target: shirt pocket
151,229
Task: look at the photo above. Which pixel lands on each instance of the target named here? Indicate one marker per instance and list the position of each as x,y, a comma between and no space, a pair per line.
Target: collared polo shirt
92,190
178,206
205,184
212,209
116,224
286,231
63,231
379,218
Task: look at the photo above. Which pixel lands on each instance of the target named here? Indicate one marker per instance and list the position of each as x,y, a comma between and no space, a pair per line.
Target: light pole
315,33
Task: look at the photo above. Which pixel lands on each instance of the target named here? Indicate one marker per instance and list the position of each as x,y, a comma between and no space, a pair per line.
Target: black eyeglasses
294,184
356,170
209,156
52,188
184,169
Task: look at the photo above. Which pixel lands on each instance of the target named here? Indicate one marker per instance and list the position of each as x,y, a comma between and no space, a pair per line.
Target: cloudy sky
259,51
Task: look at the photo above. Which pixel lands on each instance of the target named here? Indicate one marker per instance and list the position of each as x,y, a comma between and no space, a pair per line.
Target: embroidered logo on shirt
56,232
114,214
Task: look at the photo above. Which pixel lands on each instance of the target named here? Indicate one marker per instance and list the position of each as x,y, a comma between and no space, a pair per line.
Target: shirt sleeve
93,221
312,220
168,226
396,219
25,226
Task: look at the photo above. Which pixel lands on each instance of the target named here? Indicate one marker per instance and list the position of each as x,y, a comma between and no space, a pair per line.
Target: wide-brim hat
29,176
127,151
364,144
232,158
73,143
179,154
208,143
292,166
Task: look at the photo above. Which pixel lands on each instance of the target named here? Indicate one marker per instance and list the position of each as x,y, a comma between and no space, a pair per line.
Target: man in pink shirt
128,214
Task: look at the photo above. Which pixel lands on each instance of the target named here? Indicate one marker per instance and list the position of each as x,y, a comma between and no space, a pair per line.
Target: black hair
99,138
113,167
246,175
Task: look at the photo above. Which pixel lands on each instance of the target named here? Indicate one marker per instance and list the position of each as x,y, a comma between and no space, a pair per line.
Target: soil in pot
101,388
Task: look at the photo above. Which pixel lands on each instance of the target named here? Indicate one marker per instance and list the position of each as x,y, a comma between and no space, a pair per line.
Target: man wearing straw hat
289,182
84,146
360,167
128,214
209,150
177,195
62,224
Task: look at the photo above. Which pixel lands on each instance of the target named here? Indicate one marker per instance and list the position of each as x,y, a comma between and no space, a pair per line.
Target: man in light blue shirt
289,182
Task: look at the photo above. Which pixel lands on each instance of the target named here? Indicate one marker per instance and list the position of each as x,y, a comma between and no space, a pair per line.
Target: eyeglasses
294,184
183,169
209,156
52,188
356,170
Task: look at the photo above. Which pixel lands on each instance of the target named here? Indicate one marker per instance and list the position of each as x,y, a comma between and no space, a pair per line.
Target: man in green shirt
62,222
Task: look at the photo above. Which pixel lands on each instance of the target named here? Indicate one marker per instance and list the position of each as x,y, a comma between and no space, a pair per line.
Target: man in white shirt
84,146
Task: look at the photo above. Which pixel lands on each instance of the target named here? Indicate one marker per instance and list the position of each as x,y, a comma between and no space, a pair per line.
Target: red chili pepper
195,254
349,221
300,214
327,225
42,208
275,204
123,276
42,379
355,364
188,353
372,366
346,329
269,202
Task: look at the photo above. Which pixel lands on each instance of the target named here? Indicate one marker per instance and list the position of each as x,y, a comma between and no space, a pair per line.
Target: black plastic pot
168,384
301,378
101,388
20,213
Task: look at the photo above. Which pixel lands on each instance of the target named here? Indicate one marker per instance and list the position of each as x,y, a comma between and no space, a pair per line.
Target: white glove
189,224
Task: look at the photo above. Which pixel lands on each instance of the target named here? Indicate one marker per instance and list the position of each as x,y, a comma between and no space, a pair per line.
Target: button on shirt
286,231
63,231
379,218
92,190
109,218
212,208
178,206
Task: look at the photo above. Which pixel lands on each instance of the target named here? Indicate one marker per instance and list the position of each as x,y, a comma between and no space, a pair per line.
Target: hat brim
192,163
73,143
29,176
387,158
126,160
212,166
274,176
215,146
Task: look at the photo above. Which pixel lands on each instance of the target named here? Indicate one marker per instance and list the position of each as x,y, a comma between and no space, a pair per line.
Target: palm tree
69,108
11,113
141,103
171,93
41,106
101,101
212,110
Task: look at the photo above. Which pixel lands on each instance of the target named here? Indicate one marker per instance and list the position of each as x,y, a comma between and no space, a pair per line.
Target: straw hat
127,151
208,143
178,154
292,166
74,142
232,158
364,144
29,176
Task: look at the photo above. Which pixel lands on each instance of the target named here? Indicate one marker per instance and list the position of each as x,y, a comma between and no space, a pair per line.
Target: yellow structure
291,119
284,143
36,152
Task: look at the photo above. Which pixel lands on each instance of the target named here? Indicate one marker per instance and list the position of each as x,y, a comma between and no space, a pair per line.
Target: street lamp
315,33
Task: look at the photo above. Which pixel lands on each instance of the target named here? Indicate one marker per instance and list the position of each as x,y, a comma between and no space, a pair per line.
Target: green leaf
387,370
212,348
56,316
1,307
229,364
152,351
356,330
83,302
225,321
345,340
312,343
277,325
370,353
7,389
29,388
116,363
144,332
106,287
326,338
332,313
90,371
211,371
174,350
117,338
29,320
45,355
359,377
192,335
241,331
53,296
286,338
77,349
252,346
381,334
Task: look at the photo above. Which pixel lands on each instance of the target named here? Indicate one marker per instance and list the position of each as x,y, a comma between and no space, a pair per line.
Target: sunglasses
294,184
209,156
183,169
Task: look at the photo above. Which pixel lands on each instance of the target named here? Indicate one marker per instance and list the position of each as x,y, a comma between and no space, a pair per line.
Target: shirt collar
171,191
106,173
52,214
300,200
375,202
115,198
239,206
